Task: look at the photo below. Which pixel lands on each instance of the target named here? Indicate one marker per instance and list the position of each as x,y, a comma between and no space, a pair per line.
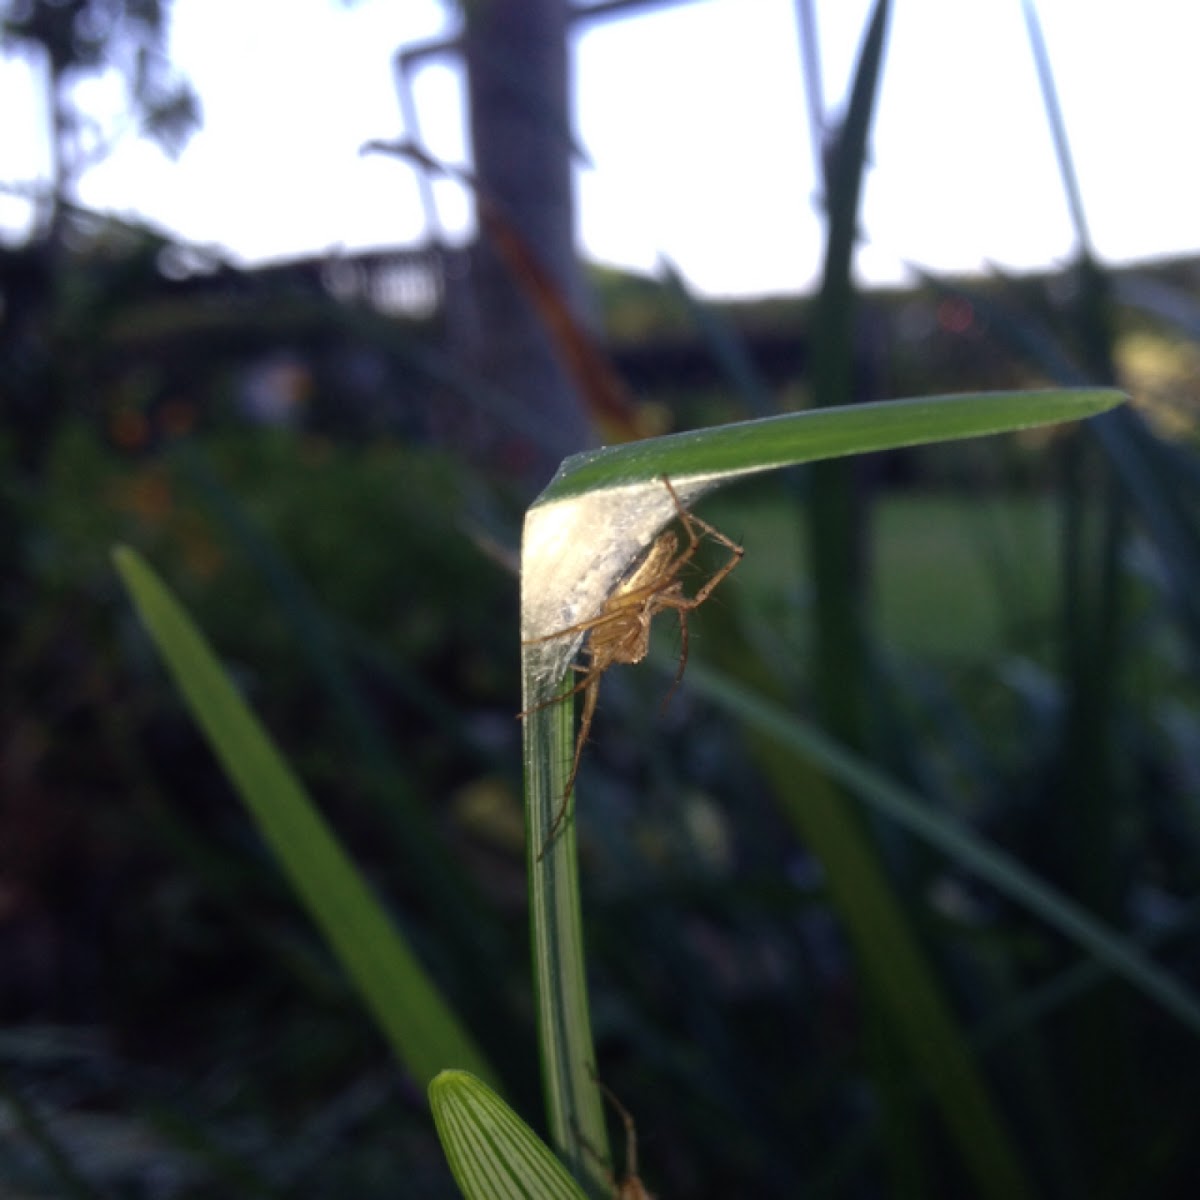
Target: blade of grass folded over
423,1031
603,507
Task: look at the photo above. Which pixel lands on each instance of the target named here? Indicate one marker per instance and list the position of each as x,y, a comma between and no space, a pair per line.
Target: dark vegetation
338,502
162,988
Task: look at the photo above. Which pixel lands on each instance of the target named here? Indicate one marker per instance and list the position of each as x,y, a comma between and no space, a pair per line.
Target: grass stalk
580,536
574,1106
422,1029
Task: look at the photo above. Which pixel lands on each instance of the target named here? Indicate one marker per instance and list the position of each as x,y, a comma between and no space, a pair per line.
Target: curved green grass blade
924,1036
1005,874
492,1153
1075,982
424,1033
465,922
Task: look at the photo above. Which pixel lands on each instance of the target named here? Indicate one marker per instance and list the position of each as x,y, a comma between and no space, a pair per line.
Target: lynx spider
620,632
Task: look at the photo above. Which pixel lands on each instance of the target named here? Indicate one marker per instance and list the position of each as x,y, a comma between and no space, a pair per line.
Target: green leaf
493,1154
423,1031
604,507
575,1110
745,447
900,981
1001,871
596,515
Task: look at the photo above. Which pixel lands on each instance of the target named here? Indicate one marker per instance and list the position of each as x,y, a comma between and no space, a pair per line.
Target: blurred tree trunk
518,70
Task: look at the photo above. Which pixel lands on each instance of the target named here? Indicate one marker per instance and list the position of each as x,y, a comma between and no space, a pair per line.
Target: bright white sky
694,119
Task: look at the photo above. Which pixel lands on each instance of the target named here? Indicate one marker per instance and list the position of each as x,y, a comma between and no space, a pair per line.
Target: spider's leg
735,557
696,527
631,1166
682,512
714,533
592,683
683,656
585,728
691,523
601,618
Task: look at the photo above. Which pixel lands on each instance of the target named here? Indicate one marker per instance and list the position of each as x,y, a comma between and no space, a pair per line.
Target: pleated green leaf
493,1154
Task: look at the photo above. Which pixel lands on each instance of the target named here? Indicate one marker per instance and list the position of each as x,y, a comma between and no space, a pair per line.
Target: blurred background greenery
335,488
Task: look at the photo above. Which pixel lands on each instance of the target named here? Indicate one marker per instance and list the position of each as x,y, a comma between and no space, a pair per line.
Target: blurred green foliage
184,993
172,1025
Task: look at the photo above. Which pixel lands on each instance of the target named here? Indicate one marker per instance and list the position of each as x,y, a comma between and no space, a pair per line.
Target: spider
620,632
